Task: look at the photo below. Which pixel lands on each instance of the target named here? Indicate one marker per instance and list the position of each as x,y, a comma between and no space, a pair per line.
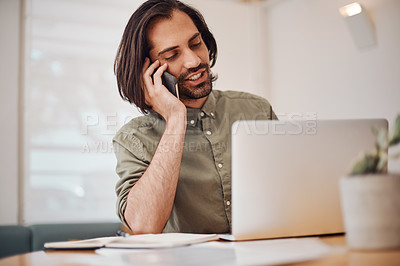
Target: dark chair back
14,239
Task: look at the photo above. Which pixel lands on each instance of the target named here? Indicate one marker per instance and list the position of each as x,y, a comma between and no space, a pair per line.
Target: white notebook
135,241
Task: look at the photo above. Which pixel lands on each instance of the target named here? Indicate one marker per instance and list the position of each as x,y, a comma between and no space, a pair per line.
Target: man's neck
194,103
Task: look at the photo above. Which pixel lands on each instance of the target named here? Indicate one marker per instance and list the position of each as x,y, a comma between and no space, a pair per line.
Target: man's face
178,43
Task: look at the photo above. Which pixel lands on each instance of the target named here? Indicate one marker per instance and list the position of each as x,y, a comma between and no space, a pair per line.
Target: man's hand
156,94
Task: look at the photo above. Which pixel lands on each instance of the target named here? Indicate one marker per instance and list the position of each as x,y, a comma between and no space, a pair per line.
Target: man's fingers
148,73
146,64
157,76
150,70
144,68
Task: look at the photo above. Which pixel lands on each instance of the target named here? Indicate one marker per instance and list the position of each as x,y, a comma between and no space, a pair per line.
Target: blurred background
60,107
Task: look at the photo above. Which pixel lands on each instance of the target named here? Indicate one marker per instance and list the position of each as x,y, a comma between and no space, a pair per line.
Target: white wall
315,66
9,54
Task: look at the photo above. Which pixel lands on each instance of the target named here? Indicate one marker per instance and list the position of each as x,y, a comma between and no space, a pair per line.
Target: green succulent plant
375,162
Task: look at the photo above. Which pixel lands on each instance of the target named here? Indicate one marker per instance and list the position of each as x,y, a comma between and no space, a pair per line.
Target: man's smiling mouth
195,77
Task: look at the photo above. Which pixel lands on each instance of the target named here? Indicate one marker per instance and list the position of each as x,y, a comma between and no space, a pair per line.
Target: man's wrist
176,123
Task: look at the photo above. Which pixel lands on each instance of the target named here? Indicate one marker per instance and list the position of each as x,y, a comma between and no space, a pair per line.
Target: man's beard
195,92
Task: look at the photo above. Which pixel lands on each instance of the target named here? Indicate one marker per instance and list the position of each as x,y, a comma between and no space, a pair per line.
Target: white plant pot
371,211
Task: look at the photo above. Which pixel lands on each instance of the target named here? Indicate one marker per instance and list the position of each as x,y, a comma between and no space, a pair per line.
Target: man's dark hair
134,46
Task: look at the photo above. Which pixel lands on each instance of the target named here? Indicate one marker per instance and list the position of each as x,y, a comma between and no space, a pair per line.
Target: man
174,162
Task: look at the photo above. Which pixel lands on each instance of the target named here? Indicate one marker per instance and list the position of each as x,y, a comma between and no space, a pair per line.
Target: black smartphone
171,83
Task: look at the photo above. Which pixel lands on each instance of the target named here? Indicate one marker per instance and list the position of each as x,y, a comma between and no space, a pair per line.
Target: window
72,108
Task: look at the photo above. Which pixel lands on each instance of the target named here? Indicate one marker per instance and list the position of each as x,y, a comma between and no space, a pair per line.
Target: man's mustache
193,70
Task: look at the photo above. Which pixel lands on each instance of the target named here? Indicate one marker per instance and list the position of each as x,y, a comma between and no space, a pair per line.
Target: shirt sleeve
266,108
130,167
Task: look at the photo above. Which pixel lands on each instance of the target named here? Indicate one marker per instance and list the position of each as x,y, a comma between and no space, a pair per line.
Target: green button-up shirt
203,195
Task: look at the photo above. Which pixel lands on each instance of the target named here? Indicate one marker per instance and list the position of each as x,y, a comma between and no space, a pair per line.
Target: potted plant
371,197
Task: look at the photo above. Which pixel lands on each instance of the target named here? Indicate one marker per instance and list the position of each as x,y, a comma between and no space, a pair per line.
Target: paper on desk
136,241
259,252
279,251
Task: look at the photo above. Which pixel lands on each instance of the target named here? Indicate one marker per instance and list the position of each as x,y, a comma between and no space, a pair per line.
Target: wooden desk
89,257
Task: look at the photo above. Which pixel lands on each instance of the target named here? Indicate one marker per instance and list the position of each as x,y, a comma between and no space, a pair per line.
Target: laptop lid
285,174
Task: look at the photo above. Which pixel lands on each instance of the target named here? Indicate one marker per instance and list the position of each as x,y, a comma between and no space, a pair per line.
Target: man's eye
171,57
196,44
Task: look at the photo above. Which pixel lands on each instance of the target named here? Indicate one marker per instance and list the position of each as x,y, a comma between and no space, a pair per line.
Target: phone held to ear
171,83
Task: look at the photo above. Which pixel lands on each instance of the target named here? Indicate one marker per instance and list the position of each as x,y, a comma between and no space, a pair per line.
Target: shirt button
220,165
212,115
202,114
228,203
208,132
192,122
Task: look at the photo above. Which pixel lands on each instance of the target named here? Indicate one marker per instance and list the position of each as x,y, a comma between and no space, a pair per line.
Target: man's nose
191,59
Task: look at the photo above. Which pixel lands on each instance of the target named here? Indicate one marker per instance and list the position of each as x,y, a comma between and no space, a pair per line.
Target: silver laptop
285,175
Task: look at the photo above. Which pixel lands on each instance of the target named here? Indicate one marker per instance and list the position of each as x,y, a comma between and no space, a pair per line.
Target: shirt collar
210,105
192,115
208,110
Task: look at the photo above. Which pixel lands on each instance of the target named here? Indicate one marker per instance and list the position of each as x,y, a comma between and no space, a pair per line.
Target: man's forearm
151,199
